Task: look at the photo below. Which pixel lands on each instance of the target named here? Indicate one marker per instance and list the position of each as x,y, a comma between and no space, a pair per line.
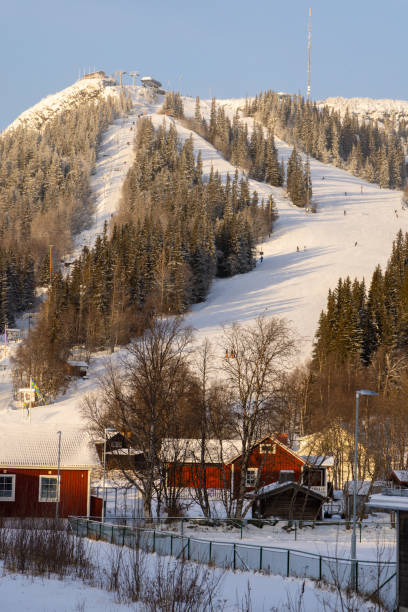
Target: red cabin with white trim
29,483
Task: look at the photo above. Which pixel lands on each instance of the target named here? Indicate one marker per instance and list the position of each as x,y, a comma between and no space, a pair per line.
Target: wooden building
119,454
270,458
79,369
29,483
399,479
289,501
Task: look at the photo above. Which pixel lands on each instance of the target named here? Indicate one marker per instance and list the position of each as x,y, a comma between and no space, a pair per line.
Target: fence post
171,544
188,549
320,567
235,557
295,531
154,540
356,576
100,531
123,536
209,560
241,527
112,535
260,557
288,567
360,532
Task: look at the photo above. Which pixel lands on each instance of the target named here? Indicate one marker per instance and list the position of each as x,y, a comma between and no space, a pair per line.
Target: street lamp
353,536
59,433
107,429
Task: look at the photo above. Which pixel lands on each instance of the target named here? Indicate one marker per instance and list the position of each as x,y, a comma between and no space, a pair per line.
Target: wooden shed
77,368
29,483
288,500
399,478
119,454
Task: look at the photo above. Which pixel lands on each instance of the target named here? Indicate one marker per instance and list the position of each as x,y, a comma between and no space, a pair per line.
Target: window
7,487
313,477
49,490
286,476
268,448
251,477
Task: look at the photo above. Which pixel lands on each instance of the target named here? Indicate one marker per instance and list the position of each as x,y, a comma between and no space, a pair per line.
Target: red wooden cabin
29,485
223,461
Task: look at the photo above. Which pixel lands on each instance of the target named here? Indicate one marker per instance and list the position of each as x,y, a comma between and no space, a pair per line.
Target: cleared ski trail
288,283
349,235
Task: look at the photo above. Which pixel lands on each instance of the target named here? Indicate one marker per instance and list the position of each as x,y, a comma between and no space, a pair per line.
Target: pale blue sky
226,48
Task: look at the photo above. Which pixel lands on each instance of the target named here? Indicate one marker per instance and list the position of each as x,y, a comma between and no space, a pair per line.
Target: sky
222,48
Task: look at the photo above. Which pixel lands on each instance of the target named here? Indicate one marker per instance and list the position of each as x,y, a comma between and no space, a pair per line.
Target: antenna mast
309,48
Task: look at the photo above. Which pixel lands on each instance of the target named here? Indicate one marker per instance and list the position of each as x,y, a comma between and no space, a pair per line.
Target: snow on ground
267,593
350,234
377,541
114,157
287,283
35,594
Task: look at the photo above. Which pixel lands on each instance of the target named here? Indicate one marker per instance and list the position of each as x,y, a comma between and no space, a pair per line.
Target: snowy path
115,156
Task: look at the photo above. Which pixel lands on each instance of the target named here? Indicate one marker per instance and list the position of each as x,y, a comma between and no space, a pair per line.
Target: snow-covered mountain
84,90
350,234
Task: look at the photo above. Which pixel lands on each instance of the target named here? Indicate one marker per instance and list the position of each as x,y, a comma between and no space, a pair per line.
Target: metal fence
339,531
374,578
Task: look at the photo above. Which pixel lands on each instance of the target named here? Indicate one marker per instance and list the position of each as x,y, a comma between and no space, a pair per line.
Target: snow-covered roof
37,446
319,460
363,487
279,485
401,475
389,500
188,450
78,364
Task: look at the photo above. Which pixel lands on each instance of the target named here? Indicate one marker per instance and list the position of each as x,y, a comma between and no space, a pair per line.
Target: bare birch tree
142,398
258,354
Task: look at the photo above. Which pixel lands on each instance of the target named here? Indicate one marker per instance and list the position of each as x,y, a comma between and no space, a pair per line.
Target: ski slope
114,157
294,284
287,283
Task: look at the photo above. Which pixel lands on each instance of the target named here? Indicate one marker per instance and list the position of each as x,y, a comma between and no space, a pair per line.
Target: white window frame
13,490
271,450
47,499
250,471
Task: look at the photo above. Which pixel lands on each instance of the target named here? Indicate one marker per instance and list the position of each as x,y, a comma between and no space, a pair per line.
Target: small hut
288,500
78,369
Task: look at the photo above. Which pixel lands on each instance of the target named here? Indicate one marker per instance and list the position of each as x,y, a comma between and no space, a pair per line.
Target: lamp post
107,429
58,477
355,481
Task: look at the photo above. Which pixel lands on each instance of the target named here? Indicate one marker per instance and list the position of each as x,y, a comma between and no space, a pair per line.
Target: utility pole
51,247
309,50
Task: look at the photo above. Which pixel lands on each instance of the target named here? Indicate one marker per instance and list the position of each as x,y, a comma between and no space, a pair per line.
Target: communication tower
309,50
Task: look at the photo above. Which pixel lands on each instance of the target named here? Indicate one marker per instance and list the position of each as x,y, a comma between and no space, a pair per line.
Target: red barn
29,484
271,460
